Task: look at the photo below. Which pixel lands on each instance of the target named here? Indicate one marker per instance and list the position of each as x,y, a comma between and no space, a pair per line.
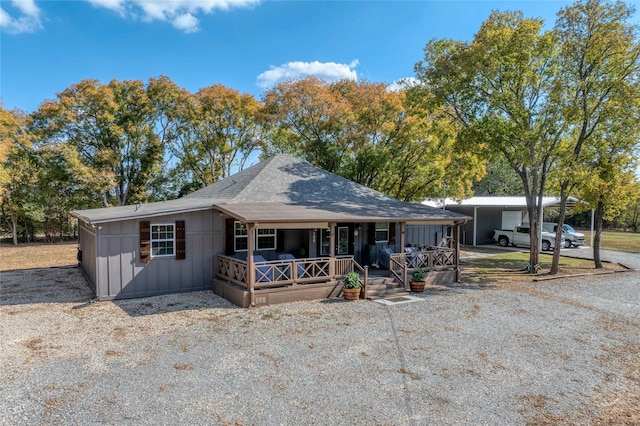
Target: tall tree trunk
599,212
534,248
555,265
14,230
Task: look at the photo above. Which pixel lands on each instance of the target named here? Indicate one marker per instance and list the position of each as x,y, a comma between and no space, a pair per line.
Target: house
305,227
494,212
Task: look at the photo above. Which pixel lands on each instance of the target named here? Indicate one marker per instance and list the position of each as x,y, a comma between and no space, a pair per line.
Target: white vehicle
520,237
571,236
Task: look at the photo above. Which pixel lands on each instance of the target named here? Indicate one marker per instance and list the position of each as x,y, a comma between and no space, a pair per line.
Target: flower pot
417,286
351,293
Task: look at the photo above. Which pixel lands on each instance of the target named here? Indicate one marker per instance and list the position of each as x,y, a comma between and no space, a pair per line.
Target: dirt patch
37,255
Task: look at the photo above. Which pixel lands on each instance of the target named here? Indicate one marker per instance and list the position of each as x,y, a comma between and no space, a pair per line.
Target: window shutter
180,240
371,233
229,233
392,233
280,240
145,241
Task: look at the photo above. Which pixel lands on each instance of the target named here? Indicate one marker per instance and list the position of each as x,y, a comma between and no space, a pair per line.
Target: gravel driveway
563,351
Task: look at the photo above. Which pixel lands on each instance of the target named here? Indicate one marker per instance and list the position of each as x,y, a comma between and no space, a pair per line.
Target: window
343,240
325,239
382,232
162,240
240,237
265,238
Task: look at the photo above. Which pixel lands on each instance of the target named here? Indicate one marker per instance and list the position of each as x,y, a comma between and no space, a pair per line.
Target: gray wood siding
122,275
87,244
428,235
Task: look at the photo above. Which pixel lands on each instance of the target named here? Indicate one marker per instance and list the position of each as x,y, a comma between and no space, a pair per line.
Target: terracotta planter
417,286
351,293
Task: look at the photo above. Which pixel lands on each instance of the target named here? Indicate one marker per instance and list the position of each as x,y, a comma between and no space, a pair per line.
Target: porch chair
264,274
289,256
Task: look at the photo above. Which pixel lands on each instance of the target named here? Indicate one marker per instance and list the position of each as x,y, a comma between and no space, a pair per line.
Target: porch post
402,225
251,273
332,249
457,252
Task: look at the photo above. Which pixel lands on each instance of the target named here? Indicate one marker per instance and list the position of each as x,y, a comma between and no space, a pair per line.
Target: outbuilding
490,213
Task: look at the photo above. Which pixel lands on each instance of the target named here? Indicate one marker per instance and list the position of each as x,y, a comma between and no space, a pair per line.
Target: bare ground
37,255
62,363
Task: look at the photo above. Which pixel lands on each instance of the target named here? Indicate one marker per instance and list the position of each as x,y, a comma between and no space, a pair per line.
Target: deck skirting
271,296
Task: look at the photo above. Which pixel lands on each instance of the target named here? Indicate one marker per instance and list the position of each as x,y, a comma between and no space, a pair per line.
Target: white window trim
269,235
236,237
381,230
324,233
173,239
273,234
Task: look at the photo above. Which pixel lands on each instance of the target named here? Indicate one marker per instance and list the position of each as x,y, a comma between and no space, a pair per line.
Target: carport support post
251,273
475,227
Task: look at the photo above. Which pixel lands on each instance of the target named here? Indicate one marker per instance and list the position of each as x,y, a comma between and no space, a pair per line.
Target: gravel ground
559,352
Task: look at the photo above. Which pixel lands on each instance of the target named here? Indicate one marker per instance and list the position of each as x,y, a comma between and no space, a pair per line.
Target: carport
490,213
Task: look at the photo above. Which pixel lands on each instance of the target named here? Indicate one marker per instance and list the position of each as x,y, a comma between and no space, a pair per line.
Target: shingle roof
285,189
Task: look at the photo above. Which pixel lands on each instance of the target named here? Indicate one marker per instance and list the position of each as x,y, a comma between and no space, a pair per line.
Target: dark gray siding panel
466,230
427,235
87,243
122,275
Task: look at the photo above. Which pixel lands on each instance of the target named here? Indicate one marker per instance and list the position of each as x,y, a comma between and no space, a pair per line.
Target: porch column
251,273
332,249
457,252
402,225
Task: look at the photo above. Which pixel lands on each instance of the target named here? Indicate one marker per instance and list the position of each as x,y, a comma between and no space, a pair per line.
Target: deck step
384,287
386,293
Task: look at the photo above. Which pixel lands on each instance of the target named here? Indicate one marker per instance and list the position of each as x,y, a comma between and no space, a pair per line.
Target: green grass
614,240
519,260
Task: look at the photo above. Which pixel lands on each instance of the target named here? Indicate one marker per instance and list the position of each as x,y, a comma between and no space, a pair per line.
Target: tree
631,214
499,180
112,128
612,170
599,68
500,88
17,172
363,131
306,119
211,133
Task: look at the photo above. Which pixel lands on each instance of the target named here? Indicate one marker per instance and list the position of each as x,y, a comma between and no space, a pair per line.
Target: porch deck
280,281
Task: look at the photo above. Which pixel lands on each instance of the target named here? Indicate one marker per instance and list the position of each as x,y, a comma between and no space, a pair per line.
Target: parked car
571,236
520,237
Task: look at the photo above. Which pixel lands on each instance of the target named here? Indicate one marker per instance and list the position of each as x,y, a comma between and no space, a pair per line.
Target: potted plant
351,289
417,280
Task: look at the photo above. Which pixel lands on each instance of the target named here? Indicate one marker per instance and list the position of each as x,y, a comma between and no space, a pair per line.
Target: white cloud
403,84
27,22
182,14
115,5
329,71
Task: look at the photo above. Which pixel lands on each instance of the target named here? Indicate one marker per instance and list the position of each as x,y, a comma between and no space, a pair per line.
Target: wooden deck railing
432,259
278,273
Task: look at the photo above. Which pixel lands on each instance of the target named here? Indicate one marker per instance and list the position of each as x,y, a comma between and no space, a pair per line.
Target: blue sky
48,45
